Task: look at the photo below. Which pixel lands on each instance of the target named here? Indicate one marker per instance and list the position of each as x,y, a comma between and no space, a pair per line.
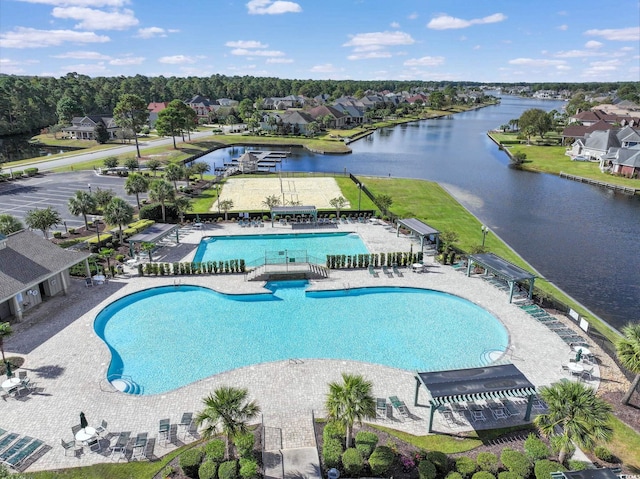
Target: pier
618,188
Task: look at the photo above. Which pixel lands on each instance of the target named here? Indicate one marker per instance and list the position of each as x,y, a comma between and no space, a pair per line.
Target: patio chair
396,271
509,407
381,408
119,449
588,373
15,461
8,439
450,418
399,406
15,447
164,431
140,447
88,282
69,446
539,404
372,271
185,422
22,375
477,415
385,270
101,430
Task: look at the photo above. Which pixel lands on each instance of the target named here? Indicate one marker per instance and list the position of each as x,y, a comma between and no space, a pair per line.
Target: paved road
79,157
55,189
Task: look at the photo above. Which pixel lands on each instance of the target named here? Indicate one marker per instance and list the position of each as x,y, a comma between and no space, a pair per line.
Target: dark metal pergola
420,229
502,268
277,211
475,384
602,473
153,234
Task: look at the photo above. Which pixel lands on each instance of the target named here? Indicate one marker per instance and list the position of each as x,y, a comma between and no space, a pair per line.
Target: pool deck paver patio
69,362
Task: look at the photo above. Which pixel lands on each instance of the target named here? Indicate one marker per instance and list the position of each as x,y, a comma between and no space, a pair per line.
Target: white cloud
14,67
177,59
91,19
256,53
477,47
81,3
424,62
394,25
620,34
127,61
23,37
447,22
369,55
325,68
87,68
367,48
413,16
563,27
537,62
279,60
593,44
601,69
245,44
577,54
269,7
154,32
361,40
83,55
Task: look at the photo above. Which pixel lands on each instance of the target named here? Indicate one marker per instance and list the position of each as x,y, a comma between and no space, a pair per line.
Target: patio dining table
85,434
10,384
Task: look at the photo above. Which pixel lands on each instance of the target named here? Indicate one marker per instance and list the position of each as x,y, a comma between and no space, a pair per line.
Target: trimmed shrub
215,450
508,475
190,462
381,460
465,466
352,461
228,470
366,442
487,461
248,468
334,430
516,462
208,470
577,465
454,475
535,448
545,467
57,234
427,470
331,452
244,444
604,454
31,171
440,460
483,475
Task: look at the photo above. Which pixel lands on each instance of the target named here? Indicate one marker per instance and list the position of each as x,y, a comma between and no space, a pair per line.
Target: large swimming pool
252,248
167,337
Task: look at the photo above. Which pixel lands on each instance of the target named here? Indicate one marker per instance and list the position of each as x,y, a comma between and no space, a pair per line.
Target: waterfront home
84,127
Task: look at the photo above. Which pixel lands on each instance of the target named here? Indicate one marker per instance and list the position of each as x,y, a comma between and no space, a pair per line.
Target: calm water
206,329
254,247
582,238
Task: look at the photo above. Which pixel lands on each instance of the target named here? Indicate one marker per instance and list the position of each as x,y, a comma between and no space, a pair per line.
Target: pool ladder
295,361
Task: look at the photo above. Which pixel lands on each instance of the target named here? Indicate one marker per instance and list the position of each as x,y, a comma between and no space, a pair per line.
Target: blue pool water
164,338
252,248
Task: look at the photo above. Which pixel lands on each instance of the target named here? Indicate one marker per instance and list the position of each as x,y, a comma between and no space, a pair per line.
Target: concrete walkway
69,362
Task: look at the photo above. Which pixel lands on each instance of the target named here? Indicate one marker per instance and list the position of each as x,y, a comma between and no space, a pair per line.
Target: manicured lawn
625,444
436,442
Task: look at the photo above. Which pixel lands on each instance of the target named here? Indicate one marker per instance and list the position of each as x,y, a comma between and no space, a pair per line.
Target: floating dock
618,188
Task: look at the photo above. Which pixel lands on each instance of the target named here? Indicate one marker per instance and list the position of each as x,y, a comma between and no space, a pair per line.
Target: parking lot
54,189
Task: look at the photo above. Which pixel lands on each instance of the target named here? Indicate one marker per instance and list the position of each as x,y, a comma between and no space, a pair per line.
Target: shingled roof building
31,268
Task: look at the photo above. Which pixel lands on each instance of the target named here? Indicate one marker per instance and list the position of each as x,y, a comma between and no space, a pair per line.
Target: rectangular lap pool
295,247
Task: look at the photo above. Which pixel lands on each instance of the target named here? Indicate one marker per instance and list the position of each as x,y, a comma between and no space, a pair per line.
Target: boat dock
610,186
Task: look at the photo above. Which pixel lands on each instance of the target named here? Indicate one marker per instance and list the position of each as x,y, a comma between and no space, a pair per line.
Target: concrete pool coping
68,361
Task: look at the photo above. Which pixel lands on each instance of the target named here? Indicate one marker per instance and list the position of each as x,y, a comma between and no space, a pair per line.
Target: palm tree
136,184
200,168
182,205
350,402
118,212
162,191
227,408
154,165
10,224
83,203
225,205
5,332
174,172
628,350
575,414
43,219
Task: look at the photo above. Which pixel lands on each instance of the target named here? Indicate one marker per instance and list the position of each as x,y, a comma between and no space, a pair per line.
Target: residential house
354,115
580,132
598,143
227,102
297,121
201,105
339,119
371,101
84,127
622,161
155,108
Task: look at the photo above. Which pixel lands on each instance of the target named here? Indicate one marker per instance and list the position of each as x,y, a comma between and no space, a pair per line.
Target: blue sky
486,40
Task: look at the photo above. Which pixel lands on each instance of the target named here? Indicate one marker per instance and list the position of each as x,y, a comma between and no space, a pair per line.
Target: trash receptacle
333,473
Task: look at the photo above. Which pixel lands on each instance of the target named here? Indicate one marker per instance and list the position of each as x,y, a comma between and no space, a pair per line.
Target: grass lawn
625,444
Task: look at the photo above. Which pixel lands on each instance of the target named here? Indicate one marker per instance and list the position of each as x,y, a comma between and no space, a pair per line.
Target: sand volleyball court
249,193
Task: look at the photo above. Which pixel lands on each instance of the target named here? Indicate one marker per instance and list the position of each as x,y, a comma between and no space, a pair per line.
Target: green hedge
190,462
535,448
508,475
31,171
604,454
208,469
248,468
440,460
244,444
334,430
381,460
228,470
188,269
366,442
487,461
427,470
483,475
454,475
331,452
545,467
466,466
516,462
352,461
215,450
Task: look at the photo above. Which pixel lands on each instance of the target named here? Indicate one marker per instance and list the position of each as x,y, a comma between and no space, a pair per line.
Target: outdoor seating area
17,452
565,333
17,386
400,407
484,413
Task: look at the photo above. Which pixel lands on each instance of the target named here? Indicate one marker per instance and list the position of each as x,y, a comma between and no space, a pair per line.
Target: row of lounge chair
386,271
462,414
396,404
18,452
568,335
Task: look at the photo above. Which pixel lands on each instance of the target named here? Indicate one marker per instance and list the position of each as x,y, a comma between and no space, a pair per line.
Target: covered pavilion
502,268
153,234
420,229
601,473
279,211
475,384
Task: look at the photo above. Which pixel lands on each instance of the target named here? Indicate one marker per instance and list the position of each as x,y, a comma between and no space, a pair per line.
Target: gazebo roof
475,384
153,233
603,473
420,228
502,267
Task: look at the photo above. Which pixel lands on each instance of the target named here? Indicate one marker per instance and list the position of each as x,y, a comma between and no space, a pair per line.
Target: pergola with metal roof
475,384
601,473
502,268
153,234
279,211
419,228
